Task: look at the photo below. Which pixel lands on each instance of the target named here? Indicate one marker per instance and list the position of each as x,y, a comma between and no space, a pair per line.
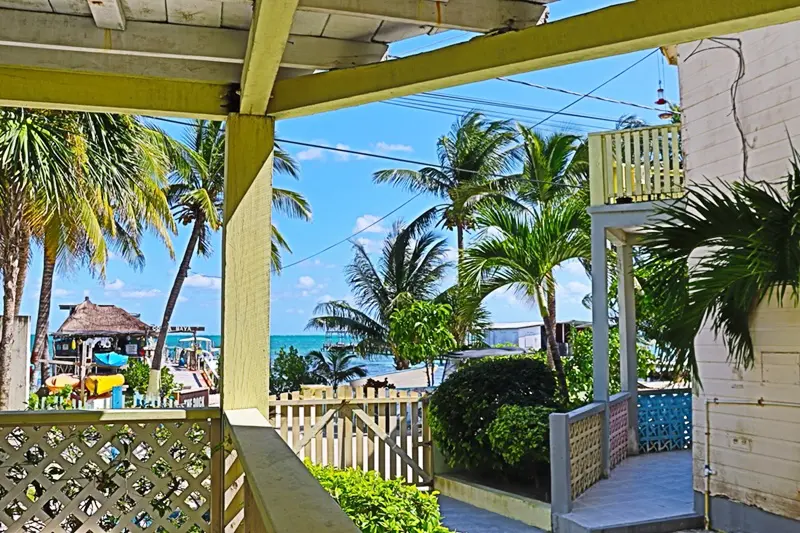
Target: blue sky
344,199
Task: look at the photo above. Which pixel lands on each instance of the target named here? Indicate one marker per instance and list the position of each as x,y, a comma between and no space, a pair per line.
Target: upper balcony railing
636,165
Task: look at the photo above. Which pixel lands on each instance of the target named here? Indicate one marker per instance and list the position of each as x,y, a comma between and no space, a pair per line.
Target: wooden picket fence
383,430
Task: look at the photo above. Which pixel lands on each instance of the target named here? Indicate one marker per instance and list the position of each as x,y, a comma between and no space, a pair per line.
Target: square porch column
246,240
628,361
600,329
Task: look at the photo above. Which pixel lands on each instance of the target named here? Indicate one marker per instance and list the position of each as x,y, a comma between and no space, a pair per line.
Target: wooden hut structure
126,333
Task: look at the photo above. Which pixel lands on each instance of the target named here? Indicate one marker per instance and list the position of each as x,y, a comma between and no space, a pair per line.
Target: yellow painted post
596,179
246,262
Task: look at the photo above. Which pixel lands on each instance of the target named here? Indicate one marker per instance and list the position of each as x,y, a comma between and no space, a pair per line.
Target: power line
574,93
609,80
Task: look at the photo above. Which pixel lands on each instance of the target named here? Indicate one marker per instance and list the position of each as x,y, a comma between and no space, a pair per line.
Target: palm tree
553,167
519,250
747,234
195,194
335,366
469,317
127,158
473,155
411,264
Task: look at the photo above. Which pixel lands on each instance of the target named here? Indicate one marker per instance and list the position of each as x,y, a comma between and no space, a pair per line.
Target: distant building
531,335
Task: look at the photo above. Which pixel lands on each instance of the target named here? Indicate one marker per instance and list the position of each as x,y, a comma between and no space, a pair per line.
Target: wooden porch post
246,262
627,341
600,329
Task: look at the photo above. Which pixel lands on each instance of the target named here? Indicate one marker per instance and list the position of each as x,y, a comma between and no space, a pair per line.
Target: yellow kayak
56,383
97,385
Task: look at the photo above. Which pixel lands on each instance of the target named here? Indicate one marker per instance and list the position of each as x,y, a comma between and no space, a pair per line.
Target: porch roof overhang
208,58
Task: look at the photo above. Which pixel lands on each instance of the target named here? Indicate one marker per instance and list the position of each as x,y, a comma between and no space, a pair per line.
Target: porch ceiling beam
269,32
605,32
107,14
29,29
470,15
22,87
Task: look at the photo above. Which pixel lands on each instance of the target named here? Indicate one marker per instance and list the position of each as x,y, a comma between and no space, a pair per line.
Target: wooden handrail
281,495
104,416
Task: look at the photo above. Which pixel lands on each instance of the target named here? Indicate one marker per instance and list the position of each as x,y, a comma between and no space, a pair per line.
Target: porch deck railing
636,165
160,470
665,420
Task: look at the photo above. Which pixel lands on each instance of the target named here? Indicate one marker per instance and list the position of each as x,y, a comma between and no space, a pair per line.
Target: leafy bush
521,435
578,367
290,370
137,375
466,404
377,505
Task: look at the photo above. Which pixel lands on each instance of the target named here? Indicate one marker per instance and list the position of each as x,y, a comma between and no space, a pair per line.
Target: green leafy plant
377,505
136,374
748,235
578,367
168,385
289,370
420,333
465,405
521,435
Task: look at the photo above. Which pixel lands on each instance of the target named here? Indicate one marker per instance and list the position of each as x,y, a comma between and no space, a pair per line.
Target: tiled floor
643,488
465,518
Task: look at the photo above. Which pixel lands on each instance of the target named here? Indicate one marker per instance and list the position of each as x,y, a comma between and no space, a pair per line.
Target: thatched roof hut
88,319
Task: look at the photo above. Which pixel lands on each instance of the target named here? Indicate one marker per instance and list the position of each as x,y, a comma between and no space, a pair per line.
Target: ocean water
376,365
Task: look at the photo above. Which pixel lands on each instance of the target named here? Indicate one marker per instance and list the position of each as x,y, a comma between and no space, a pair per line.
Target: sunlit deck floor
642,491
465,518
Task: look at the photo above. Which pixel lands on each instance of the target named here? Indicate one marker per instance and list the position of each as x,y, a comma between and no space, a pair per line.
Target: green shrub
377,505
521,435
466,404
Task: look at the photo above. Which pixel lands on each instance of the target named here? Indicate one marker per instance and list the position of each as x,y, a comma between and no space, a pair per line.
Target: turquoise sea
304,343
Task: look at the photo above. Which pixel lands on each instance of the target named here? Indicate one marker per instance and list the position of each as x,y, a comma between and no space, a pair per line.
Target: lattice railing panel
618,432
665,421
585,445
98,478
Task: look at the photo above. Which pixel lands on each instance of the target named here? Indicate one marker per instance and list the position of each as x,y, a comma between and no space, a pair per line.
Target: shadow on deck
649,493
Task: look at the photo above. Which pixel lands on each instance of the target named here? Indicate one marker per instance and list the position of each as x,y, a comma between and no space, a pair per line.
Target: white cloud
451,254
369,224
144,293
325,299
389,147
294,311
115,285
369,245
344,156
182,299
574,291
59,293
573,267
310,154
306,282
203,282
111,255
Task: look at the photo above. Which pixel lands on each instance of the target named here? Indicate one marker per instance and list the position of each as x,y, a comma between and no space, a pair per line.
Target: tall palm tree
553,167
473,155
519,250
195,194
335,366
747,232
469,317
126,157
412,264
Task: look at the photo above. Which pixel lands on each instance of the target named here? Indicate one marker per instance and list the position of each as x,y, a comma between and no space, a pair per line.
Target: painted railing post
246,262
596,179
560,474
627,341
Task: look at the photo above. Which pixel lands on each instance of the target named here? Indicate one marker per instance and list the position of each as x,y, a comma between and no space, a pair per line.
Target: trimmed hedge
466,404
377,505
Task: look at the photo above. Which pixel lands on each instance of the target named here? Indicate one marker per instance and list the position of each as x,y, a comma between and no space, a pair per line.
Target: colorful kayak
111,359
97,385
56,383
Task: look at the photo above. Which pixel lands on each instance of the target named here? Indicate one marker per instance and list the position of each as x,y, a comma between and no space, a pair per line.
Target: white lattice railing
636,165
120,470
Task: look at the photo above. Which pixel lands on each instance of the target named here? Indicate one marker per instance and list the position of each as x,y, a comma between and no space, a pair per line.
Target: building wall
755,451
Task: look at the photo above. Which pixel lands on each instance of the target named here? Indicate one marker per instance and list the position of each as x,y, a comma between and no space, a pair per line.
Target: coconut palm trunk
543,299
24,245
183,270
43,316
10,267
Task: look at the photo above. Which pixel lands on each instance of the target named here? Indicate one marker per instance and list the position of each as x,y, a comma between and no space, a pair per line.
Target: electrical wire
609,80
574,93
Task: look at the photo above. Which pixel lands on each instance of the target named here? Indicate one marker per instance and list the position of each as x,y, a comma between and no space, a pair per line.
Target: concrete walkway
464,518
